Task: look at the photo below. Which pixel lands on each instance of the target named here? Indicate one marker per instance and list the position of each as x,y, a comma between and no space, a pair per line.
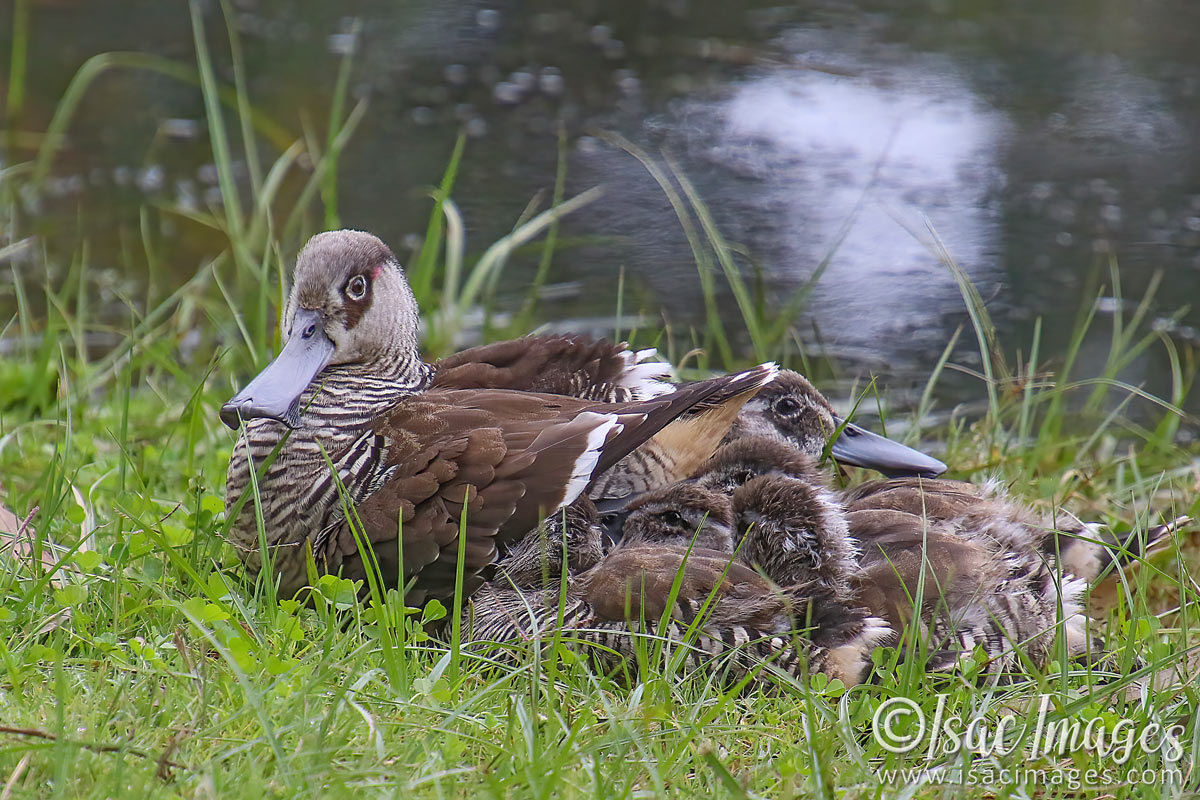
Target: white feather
850,660
1073,619
646,379
585,464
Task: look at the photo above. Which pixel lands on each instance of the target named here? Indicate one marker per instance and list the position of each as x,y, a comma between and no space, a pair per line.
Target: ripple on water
869,161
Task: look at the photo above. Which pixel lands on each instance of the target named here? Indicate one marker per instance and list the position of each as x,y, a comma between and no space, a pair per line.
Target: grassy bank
134,659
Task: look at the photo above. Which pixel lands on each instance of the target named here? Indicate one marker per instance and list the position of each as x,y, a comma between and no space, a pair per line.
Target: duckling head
796,533
741,460
682,514
790,409
350,307
537,559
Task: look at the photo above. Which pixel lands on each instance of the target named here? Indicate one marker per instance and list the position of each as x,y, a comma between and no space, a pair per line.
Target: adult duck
348,441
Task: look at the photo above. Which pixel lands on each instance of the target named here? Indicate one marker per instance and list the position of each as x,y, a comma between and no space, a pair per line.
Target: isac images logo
900,725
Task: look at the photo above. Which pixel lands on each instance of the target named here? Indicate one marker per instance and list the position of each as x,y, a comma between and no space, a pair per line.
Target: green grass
174,678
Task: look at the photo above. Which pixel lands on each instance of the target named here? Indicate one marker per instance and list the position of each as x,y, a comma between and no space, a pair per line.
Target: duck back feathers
568,364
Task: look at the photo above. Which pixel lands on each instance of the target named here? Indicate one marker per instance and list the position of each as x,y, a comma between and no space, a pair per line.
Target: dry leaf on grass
18,541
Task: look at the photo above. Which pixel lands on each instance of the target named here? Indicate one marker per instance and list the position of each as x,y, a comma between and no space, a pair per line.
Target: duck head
350,307
682,514
791,409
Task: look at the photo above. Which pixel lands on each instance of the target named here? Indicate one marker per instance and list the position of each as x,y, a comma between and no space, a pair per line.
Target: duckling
791,410
974,587
971,591
735,463
536,561
741,614
738,461
789,534
745,620
521,600
793,532
683,514
503,609
796,533
1084,550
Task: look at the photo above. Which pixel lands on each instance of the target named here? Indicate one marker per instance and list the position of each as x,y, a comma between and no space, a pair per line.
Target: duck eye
356,289
786,405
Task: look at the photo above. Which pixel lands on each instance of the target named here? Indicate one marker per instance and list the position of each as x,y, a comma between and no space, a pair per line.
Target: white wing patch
581,475
1073,619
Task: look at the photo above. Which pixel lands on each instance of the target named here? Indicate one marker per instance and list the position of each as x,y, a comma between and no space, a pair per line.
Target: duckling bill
792,411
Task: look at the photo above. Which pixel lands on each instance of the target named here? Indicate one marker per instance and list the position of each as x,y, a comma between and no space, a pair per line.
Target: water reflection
847,159
1039,140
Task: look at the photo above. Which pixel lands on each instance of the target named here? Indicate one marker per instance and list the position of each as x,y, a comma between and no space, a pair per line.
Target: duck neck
352,395
298,492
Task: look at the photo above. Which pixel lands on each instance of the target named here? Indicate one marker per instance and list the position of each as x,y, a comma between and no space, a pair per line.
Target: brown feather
569,364
634,583
507,455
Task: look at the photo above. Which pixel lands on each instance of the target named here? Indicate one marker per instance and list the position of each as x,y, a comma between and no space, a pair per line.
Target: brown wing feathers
431,480
567,364
509,457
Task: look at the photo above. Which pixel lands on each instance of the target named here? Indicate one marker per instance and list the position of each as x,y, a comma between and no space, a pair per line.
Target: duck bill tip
859,447
275,392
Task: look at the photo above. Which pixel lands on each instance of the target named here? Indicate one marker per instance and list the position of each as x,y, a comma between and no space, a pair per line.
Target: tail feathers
1160,533
738,387
1093,551
686,419
692,437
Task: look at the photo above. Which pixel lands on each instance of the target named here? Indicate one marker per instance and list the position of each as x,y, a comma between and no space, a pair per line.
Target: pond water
1039,140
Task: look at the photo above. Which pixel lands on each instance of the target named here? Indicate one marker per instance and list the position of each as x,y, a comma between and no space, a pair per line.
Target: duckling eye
356,289
744,477
672,517
786,405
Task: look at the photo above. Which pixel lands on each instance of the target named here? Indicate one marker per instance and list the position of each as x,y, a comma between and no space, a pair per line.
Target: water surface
1040,141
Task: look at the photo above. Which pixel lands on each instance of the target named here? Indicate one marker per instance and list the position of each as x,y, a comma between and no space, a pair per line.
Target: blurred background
1047,144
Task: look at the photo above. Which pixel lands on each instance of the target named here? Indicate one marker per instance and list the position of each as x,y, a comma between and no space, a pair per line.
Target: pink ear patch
378,268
